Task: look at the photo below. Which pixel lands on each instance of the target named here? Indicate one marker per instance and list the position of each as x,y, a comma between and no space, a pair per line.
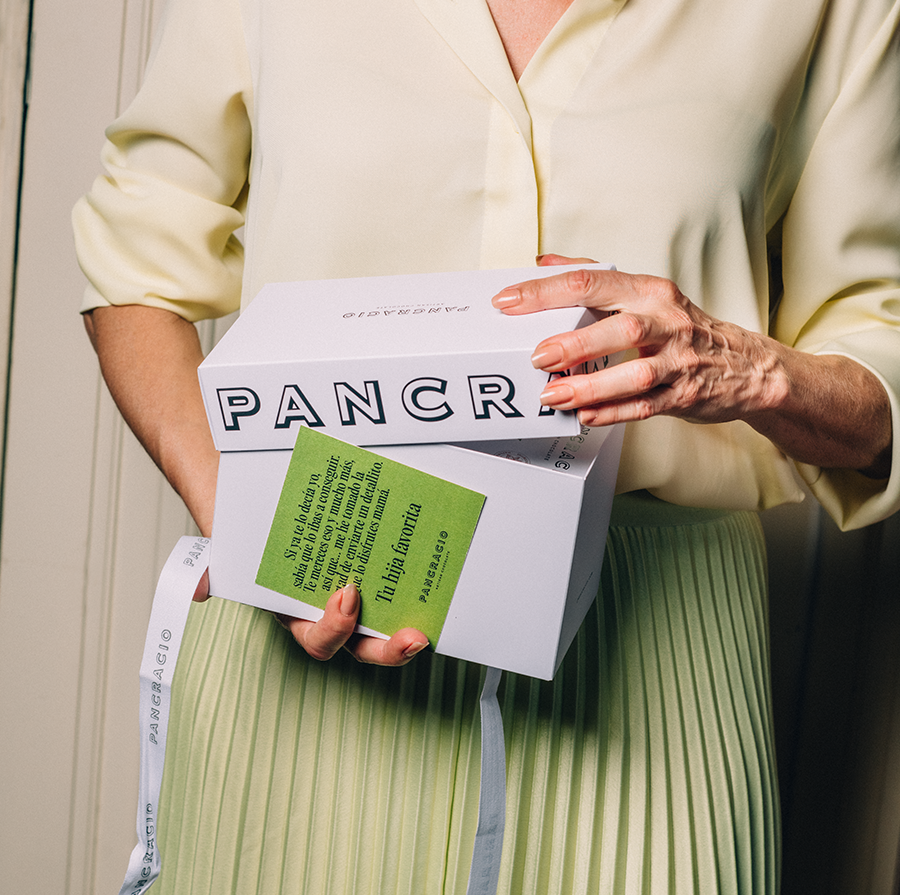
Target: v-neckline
581,27
550,77
468,28
506,16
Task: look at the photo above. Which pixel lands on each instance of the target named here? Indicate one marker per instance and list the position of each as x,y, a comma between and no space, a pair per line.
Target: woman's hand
689,364
322,639
825,410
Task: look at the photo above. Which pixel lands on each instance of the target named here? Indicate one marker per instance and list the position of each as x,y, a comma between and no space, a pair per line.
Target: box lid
384,360
389,316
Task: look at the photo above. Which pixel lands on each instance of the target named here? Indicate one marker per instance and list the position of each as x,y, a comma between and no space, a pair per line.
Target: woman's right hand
322,639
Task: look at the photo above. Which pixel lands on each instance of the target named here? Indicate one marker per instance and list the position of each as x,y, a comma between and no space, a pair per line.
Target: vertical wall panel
48,478
14,22
87,518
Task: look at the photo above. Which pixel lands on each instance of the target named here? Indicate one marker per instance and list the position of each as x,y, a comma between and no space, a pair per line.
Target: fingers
670,377
611,396
397,651
618,332
652,318
201,594
608,336
613,384
606,290
551,260
322,639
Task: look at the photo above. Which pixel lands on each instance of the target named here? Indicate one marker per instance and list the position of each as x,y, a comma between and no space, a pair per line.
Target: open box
532,569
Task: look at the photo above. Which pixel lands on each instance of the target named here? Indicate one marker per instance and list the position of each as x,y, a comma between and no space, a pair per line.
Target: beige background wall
87,523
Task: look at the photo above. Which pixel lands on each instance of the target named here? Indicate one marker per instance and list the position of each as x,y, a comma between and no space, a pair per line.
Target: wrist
194,479
826,410
775,378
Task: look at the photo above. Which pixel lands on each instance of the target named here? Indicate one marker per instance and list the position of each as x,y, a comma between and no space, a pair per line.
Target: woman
745,152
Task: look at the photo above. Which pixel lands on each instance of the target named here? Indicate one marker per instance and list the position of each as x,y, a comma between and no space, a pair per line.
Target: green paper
346,514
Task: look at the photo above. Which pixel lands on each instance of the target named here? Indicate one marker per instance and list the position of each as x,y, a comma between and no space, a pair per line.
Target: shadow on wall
835,623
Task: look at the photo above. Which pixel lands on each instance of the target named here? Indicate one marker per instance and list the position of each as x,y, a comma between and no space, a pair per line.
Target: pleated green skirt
645,766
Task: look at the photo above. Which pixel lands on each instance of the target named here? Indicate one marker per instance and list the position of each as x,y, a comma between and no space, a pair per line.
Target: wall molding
15,17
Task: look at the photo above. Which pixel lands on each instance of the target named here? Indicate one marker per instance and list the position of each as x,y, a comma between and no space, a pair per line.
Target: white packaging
532,570
385,360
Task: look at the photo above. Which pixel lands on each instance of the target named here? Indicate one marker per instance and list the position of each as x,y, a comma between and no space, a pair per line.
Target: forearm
149,359
828,411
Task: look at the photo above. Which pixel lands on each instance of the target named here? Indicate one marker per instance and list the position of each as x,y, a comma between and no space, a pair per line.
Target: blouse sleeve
158,228
841,233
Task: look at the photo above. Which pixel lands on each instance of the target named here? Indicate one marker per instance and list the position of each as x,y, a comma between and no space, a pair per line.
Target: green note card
346,514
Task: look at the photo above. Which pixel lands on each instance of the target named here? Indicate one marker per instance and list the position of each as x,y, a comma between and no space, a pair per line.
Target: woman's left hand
689,364
825,410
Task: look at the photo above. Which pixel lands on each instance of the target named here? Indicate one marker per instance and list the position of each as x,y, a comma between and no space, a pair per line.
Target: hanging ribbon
177,584
179,579
485,870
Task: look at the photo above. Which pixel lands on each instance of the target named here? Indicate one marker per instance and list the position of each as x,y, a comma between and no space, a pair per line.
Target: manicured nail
557,393
413,649
507,298
547,356
349,599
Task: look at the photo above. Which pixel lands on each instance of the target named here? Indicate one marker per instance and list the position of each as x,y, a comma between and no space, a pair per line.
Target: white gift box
407,363
385,360
533,567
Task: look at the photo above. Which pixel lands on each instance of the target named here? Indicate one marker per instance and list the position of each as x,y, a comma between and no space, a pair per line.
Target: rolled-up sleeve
158,228
841,243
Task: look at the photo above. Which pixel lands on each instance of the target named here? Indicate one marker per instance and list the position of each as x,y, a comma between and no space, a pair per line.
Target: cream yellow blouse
670,137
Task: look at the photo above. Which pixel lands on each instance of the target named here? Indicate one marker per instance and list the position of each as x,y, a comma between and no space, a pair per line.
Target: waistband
641,509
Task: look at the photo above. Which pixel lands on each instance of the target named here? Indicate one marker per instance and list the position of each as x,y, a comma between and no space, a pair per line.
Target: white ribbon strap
179,579
485,870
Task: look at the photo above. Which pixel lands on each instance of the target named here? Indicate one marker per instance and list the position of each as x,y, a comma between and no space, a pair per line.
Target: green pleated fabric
645,766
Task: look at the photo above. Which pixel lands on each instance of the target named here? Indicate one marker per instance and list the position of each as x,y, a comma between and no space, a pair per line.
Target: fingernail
557,393
547,356
507,298
349,599
413,649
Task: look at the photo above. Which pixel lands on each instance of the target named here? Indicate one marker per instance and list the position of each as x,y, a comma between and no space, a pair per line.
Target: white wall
86,517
